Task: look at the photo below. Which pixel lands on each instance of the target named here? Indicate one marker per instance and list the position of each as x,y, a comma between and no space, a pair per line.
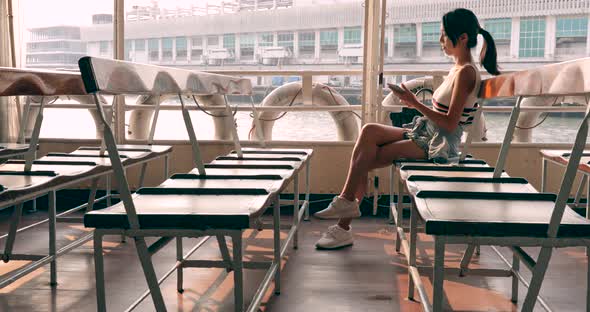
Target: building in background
326,35
55,47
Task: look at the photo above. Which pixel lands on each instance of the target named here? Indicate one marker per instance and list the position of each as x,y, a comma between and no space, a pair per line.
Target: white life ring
140,119
527,120
322,95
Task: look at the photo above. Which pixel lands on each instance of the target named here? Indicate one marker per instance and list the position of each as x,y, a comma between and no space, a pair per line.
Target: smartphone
396,88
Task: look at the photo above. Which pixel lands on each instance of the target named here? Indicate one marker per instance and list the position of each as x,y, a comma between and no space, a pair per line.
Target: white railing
388,108
307,81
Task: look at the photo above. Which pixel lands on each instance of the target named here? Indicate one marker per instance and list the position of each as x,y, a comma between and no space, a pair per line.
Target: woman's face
446,43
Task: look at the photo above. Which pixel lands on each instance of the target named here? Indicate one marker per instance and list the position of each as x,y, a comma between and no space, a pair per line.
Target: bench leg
587,210
179,271
391,192
238,271
296,211
466,259
588,283
224,252
150,274
400,214
438,274
544,176
52,242
276,212
109,200
166,166
537,279
307,189
413,246
142,174
99,273
108,190
92,195
581,187
515,267
16,216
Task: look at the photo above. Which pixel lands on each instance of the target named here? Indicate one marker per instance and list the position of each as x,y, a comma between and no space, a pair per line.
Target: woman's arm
462,87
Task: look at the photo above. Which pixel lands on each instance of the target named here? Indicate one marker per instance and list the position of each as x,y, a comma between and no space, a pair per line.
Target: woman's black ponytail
463,21
489,55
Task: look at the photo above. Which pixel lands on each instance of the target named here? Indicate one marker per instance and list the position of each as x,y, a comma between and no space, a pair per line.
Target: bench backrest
115,77
42,83
34,82
570,78
120,77
566,78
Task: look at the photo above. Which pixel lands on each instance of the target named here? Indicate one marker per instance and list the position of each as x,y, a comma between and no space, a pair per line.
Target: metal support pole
16,216
99,273
515,267
581,188
35,137
224,251
24,121
466,259
500,163
537,279
544,175
587,282
150,274
400,214
276,212
307,188
413,246
295,210
438,274
391,191
179,272
52,238
92,196
166,166
142,174
238,271
233,126
198,161
154,121
108,190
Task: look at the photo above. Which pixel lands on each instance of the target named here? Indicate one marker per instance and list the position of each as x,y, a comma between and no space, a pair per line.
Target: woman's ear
463,38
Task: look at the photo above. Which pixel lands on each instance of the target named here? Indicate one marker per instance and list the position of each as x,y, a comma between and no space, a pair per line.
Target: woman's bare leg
365,152
384,156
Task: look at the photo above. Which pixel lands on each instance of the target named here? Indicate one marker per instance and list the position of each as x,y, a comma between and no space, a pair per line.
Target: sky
40,13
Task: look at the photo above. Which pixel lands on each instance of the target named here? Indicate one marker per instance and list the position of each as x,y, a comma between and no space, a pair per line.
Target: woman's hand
407,97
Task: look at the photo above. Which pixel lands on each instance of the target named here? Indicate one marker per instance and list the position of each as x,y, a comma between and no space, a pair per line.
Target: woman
436,136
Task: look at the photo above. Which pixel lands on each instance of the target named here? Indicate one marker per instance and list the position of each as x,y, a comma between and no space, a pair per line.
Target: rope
336,102
540,122
283,114
206,112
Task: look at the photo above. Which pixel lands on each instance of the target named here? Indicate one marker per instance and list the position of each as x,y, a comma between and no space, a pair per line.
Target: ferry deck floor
370,276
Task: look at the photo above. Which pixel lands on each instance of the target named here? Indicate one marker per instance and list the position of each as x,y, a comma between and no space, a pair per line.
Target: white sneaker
335,237
340,208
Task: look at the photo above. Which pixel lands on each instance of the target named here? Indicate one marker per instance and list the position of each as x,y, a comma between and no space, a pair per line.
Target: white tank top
441,99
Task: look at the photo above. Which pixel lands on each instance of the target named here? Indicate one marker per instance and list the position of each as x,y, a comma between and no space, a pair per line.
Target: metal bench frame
74,86
538,267
236,264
